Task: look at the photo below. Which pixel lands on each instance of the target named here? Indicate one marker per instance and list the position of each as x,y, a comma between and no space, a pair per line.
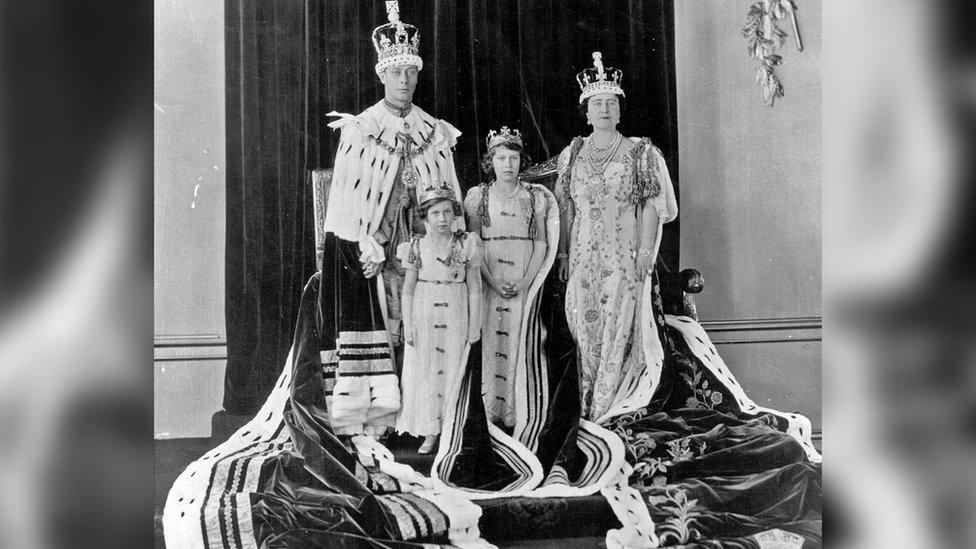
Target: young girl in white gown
510,216
441,312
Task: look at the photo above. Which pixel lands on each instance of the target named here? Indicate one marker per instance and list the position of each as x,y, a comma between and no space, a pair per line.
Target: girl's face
440,216
603,111
506,164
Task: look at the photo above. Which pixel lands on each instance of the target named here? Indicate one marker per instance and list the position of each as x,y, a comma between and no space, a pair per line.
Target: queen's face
506,163
603,111
399,83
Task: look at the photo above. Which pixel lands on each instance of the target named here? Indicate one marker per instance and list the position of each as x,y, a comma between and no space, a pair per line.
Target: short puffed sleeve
475,206
472,198
409,254
653,181
472,250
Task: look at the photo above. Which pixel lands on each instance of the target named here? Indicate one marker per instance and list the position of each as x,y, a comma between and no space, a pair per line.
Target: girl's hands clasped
510,288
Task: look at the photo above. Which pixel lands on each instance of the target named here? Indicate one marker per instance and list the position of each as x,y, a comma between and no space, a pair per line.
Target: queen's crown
599,79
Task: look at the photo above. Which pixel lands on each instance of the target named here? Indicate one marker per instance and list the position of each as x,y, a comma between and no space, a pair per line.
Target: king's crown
396,42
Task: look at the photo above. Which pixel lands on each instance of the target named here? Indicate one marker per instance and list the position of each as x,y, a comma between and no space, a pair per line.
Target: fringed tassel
483,206
532,197
562,185
646,178
413,256
457,246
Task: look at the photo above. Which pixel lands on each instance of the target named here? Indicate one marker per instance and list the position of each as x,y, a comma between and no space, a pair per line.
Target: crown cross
598,63
599,79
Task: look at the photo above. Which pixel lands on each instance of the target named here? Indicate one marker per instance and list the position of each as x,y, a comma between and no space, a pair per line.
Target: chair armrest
677,292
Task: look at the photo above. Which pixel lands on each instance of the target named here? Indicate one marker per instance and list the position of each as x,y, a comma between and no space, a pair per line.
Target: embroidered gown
440,320
604,289
513,224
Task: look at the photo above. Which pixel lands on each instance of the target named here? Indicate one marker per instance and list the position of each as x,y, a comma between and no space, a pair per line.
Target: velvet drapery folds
486,64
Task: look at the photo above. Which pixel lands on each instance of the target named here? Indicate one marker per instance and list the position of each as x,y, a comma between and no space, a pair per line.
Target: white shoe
430,442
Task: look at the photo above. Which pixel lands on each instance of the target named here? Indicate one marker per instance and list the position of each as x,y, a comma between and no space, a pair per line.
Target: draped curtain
487,63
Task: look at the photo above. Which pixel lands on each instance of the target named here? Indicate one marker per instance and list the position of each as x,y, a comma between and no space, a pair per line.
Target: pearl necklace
605,147
599,162
518,187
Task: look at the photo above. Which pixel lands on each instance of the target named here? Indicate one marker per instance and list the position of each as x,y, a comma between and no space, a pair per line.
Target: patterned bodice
609,192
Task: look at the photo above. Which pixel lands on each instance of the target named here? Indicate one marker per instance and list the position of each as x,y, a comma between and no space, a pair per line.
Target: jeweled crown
396,42
599,79
437,191
504,135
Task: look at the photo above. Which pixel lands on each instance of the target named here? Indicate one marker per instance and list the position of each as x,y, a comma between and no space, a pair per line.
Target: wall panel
188,215
750,198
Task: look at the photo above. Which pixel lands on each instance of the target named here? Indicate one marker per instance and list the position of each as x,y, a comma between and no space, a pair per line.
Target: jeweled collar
397,111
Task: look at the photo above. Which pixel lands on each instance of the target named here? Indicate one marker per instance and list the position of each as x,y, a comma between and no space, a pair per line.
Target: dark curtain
487,63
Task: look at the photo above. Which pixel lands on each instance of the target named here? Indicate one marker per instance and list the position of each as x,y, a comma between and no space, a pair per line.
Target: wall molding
765,330
189,347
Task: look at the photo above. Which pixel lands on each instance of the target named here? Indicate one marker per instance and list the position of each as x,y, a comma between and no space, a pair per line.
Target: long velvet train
698,464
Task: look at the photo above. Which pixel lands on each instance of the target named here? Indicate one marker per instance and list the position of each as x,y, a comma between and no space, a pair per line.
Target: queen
614,196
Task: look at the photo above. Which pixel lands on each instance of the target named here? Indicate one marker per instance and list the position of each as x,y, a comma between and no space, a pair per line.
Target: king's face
399,83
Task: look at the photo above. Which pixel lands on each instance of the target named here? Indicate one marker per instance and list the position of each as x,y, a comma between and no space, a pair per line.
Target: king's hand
371,268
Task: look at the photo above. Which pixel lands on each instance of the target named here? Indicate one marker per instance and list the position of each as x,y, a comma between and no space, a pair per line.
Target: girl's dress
440,321
510,225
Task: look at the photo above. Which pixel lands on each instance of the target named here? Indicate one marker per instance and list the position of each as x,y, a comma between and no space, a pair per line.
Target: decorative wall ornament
766,38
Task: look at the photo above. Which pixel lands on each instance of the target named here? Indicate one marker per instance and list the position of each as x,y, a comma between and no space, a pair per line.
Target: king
386,155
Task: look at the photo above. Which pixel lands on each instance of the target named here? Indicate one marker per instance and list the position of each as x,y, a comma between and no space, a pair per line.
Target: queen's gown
604,289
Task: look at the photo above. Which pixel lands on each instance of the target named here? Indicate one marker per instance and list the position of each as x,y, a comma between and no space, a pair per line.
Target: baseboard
189,347
188,383
764,330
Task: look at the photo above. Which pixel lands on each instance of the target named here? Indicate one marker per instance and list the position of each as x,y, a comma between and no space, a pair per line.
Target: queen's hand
644,264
